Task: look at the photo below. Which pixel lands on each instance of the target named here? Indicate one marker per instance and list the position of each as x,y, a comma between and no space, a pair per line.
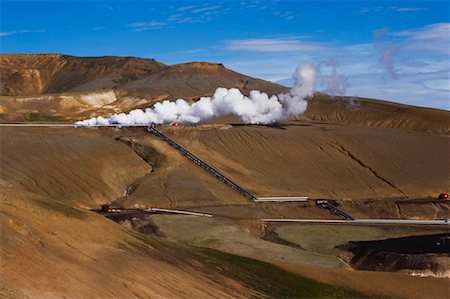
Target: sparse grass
259,276
60,208
37,117
324,239
121,245
272,280
210,241
126,78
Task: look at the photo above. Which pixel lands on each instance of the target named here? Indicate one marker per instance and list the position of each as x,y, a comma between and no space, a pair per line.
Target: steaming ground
258,108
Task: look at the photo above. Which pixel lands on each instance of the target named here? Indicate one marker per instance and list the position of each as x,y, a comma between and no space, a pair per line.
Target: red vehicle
443,196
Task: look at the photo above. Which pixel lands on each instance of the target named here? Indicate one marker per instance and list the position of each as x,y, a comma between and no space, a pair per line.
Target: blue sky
392,50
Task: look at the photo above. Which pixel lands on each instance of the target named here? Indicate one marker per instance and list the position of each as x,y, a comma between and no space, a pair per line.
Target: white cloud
197,14
421,64
414,89
207,8
423,75
387,9
438,84
287,15
183,8
432,38
273,45
182,18
142,26
8,33
406,9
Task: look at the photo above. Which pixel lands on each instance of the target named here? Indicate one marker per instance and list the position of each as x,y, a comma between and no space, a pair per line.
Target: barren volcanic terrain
371,158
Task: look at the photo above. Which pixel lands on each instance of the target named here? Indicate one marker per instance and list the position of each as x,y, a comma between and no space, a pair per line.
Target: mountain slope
196,79
376,113
67,88
35,74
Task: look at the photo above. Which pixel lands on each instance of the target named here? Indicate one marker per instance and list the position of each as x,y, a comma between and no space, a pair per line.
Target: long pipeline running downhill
327,205
202,164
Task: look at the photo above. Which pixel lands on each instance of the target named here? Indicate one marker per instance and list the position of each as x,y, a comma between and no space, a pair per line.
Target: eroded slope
324,161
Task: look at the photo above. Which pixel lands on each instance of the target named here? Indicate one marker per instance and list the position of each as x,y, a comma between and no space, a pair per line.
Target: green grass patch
127,78
265,278
37,117
121,245
210,242
272,280
158,243
61,208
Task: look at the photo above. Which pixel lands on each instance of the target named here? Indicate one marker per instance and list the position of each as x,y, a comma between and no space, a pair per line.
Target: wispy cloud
142,26
420,89
273,45
183,8
184,14
255,4
206,8
432,38
8,33
287,15
386,9
417,59
182,18
197,13
406,9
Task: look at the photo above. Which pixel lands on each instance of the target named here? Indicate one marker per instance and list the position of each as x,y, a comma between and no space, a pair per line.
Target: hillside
49,174
195,79
374,113
44,241
374,159
36,74
67,88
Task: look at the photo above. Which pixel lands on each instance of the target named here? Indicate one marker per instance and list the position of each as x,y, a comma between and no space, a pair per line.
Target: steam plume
388,52
333,83
257,108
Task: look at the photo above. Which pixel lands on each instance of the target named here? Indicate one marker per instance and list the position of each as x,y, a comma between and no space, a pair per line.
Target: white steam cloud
257,108
388,52
333,83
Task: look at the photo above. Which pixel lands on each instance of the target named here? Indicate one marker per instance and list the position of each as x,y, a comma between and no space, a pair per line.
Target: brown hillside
73,88
52,249
48,173
375,113
301,159
53,73
87,167
196,79
373,159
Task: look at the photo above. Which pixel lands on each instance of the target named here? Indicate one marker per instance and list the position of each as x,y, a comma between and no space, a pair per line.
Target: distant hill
47,87
195,79
33,74
37,74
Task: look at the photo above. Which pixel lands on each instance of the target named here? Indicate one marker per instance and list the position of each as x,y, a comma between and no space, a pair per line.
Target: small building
104,208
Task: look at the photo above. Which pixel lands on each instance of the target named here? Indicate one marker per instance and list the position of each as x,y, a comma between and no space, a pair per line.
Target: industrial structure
202,164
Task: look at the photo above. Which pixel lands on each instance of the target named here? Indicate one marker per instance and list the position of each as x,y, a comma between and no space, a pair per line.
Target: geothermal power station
126,181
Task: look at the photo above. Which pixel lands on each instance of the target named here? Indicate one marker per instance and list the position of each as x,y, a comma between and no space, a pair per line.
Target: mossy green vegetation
37,117
267,279
126,78
210,242
272,280
60,208
121,245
